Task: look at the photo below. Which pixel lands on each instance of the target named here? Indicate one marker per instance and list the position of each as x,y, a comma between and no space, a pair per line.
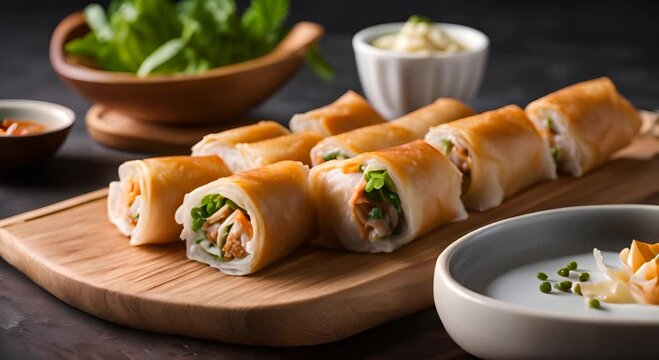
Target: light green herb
550,123
380,187
208,206
446,146
190,36
556,154
223,239
334,155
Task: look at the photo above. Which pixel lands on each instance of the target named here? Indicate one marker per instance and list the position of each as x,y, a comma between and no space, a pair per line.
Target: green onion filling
208,206
446,146
380,187
556,153
550,123
334,155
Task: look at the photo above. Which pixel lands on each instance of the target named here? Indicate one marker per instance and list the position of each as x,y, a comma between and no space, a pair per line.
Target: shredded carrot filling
351,168
132,191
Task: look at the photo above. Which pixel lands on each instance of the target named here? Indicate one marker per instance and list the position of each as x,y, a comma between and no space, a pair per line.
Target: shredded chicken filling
229,230
377,219
459,156
133,197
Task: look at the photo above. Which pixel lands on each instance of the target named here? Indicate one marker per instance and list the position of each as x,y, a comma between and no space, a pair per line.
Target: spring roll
350,111
382,200
294,147
410,127
223,144
242,223
499,153
143,202
584,124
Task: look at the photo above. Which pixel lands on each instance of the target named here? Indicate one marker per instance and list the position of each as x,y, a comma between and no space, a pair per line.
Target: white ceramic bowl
397,83
486,292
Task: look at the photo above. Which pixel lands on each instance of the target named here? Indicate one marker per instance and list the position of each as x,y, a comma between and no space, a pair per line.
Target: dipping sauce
419,35
9,127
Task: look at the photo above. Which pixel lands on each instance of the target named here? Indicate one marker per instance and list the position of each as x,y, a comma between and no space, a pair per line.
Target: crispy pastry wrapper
276,199
426,182
163,182
405,129
593,121
294,147
223,144
507,154
350,111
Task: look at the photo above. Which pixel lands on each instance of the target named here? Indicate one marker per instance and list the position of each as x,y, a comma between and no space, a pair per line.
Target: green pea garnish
594,304
542,276
572,265
564,272
545,287
584,276
577,289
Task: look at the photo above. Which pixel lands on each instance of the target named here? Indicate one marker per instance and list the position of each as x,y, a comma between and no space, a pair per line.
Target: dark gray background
536,47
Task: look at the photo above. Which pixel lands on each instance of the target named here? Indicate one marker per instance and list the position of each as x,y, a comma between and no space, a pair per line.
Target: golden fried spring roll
499,153
242,223
350,111
382,200
294,147
223,144
410,127
143,202
584,124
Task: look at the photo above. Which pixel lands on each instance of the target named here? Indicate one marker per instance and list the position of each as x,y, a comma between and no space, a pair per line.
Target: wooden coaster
120,131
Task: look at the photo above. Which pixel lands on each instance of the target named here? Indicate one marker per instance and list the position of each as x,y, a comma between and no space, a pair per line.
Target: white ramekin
397,83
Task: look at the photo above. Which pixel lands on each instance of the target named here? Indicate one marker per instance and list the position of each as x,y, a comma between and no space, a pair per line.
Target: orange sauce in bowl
10,127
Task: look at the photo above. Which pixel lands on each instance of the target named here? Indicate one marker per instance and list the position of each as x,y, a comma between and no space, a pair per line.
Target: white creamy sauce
419,37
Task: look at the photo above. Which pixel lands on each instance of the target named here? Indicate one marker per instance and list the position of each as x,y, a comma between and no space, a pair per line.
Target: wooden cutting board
312,296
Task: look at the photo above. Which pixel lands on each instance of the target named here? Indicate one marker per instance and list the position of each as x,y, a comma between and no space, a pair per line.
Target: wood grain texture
313,296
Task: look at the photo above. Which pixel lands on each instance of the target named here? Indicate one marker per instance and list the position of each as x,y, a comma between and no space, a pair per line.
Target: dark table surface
536,48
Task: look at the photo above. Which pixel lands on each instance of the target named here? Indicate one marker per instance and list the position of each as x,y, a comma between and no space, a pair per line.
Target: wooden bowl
25,150
214,96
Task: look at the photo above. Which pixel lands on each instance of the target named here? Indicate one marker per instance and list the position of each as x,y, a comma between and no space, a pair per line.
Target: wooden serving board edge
118,307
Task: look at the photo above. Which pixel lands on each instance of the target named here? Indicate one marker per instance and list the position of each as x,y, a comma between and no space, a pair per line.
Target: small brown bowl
214,96
24,150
